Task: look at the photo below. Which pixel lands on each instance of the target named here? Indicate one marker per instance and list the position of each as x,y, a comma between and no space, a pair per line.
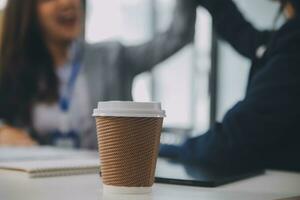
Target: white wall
233,68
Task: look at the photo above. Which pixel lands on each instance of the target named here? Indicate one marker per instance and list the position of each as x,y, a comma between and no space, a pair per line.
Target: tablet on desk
172,172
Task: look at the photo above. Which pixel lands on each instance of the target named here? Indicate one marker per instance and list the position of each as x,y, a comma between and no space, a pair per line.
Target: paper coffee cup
128,137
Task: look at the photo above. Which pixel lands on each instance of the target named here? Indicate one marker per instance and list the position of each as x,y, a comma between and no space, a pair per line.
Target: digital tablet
172,172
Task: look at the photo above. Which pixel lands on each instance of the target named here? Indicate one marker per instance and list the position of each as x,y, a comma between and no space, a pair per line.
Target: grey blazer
110,67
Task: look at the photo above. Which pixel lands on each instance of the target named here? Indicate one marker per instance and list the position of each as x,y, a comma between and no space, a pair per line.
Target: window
124,20
134,21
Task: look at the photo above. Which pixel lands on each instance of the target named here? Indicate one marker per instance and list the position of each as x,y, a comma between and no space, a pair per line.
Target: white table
272,185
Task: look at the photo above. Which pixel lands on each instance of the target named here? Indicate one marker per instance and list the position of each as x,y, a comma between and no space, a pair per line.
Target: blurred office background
181,83
201,82
197,85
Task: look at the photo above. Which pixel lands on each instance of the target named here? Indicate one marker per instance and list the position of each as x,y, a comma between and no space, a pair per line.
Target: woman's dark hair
26,67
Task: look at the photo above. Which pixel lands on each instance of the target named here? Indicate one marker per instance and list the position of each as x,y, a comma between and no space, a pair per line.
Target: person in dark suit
263,129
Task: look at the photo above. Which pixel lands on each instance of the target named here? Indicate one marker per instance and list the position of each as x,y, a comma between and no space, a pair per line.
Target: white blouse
48,118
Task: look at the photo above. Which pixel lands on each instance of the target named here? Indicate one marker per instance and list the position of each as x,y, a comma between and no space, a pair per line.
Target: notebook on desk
8,154
48,161
48,168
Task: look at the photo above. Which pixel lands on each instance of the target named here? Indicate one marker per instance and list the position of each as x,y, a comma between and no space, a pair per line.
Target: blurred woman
262,129
50,79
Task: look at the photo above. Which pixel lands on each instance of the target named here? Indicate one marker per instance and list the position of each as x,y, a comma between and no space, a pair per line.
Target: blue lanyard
65,99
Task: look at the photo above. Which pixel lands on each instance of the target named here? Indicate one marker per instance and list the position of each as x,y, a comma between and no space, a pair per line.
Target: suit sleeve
232,26
144,57
267,119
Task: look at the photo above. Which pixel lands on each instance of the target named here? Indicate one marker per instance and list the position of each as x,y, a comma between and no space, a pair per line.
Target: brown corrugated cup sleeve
128,150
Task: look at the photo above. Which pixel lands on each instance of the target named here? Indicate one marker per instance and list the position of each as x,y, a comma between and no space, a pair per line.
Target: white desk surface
272,185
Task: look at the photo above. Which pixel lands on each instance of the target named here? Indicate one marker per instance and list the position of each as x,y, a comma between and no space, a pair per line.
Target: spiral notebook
49,168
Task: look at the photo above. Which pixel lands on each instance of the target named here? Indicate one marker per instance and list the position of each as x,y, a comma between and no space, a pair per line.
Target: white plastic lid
128,109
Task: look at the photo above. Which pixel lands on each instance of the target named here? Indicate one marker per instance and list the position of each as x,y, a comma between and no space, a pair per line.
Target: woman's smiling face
60,20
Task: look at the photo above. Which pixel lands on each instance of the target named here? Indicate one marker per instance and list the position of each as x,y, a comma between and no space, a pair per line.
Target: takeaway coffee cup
128,139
